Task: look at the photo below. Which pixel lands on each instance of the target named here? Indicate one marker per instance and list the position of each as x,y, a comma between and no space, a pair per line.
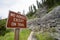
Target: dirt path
32,36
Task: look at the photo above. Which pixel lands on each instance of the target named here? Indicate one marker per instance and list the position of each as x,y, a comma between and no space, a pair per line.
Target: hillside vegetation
48,4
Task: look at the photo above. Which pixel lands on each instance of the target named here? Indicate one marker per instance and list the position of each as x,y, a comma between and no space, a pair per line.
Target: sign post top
16,20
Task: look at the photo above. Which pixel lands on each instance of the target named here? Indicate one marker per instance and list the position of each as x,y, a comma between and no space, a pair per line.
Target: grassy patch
24,34
44,36
1,37
10,36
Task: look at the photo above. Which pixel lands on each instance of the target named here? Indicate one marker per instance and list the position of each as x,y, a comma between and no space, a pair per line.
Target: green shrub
3,29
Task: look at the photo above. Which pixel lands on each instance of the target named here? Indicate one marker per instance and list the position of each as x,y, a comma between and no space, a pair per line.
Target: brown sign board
16,20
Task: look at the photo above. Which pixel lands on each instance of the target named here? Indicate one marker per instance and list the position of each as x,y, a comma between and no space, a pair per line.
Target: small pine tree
37,4
34,8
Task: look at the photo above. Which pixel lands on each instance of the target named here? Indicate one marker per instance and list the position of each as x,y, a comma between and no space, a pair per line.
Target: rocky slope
46,20
51,17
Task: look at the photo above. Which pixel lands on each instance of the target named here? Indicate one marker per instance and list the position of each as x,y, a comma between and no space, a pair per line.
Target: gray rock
41,12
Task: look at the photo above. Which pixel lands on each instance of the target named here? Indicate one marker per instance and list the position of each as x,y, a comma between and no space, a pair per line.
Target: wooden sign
16,20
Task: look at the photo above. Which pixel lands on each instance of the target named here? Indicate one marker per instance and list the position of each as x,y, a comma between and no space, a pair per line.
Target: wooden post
17,34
